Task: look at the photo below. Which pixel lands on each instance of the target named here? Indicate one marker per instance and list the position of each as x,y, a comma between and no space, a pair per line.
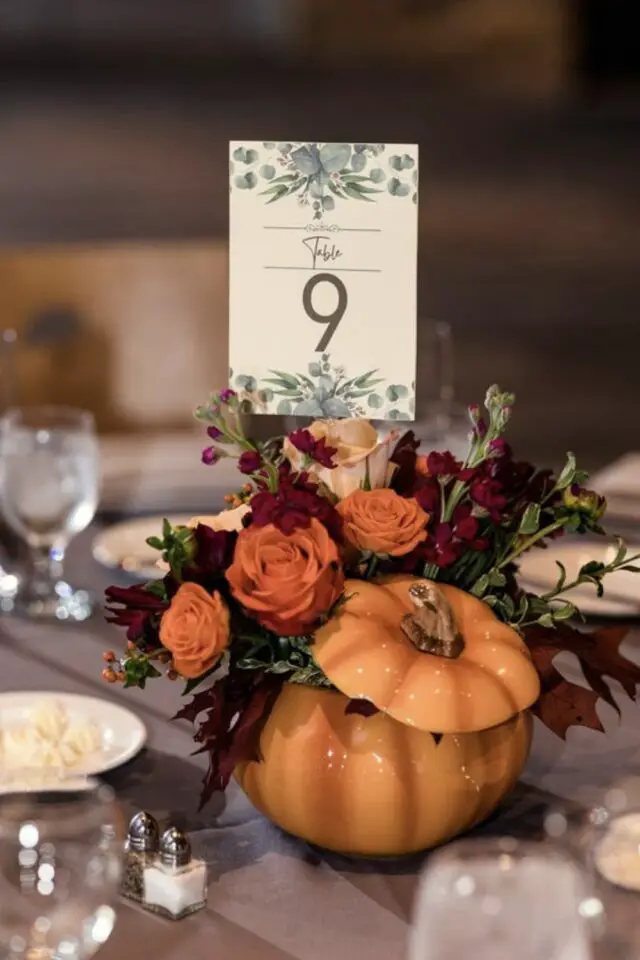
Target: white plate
123,545
539,573
122,733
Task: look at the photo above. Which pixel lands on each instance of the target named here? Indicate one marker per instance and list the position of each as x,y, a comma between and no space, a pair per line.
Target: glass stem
47,565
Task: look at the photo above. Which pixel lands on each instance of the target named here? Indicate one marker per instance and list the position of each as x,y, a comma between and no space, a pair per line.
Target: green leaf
568,473
287,378
335,156
377,175
530,521
375,401
546,620
166,528
284,408
267,171
497,578
562,579
480,586
395,162
315,369
564,612
355,193
396,392
155,542
631,568
592,569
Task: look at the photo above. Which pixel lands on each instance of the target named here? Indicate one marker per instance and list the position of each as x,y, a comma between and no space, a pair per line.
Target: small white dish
539,573
123,546
120,733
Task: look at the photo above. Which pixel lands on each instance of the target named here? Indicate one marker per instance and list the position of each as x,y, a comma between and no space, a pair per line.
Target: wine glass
500,899
48,494
60,861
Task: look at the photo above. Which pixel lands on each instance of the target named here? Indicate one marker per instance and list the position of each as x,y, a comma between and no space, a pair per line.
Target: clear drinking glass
500,900
60,861
49,493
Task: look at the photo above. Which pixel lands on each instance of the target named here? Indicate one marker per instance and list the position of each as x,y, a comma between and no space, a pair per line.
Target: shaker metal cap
143,833
175,849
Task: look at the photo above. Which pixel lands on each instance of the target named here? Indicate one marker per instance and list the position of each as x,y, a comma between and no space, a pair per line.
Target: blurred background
114,122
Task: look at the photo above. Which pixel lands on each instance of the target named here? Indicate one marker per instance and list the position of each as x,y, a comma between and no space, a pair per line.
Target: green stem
530,541
456,496
552,594
372,566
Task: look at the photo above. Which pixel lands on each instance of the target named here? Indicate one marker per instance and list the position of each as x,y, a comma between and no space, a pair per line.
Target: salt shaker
176,884
141,850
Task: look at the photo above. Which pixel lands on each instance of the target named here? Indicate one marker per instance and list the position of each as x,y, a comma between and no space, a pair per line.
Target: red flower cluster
498,490
293,505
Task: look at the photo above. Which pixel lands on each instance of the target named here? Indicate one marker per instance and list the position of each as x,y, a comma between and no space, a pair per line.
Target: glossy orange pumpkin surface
372,786
366,654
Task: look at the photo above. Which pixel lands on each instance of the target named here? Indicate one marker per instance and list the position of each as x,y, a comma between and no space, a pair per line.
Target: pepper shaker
141,850
176,884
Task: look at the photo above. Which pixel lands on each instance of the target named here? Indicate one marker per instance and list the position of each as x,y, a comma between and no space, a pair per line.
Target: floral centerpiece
360,653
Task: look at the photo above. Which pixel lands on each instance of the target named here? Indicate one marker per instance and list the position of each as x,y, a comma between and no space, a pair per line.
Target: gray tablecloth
272,897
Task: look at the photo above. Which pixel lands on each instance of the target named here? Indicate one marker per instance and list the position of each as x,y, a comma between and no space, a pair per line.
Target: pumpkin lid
366,652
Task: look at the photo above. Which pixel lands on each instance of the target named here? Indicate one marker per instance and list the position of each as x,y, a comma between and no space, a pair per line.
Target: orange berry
120,676
108,656
109,675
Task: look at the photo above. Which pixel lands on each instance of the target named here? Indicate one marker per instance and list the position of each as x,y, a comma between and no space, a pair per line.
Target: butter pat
617,855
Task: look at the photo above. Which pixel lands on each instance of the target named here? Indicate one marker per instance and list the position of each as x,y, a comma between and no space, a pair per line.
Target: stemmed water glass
48,494
498,899
60,861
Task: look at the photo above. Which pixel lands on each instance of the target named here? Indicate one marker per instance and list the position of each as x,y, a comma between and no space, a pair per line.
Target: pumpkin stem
432,628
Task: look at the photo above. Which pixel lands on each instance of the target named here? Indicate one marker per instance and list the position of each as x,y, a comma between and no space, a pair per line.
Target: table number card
322,290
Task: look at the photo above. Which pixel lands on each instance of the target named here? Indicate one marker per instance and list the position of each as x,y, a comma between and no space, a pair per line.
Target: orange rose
380,521
195,629
286,582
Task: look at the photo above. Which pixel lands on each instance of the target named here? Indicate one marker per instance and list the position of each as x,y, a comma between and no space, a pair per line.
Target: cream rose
361,455
229,520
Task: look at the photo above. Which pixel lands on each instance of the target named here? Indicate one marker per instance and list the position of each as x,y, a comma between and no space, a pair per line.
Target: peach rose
361,457
195,629
380,521
286,582
229,520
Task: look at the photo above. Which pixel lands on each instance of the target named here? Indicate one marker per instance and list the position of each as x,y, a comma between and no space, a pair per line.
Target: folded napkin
144,474
620,484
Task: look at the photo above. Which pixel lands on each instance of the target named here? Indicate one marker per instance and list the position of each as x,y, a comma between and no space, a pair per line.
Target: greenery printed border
317,175
325,391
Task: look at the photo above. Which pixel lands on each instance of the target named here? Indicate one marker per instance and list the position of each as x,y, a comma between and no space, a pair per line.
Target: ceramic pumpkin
432,660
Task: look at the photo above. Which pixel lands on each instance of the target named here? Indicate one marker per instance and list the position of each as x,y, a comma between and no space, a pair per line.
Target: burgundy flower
442,464
139,612
214,433
305,442
465,525
442,548
227,395
294,504
428,494
323,454
404,455
249,462
487,493
498,447
213,553
210,456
